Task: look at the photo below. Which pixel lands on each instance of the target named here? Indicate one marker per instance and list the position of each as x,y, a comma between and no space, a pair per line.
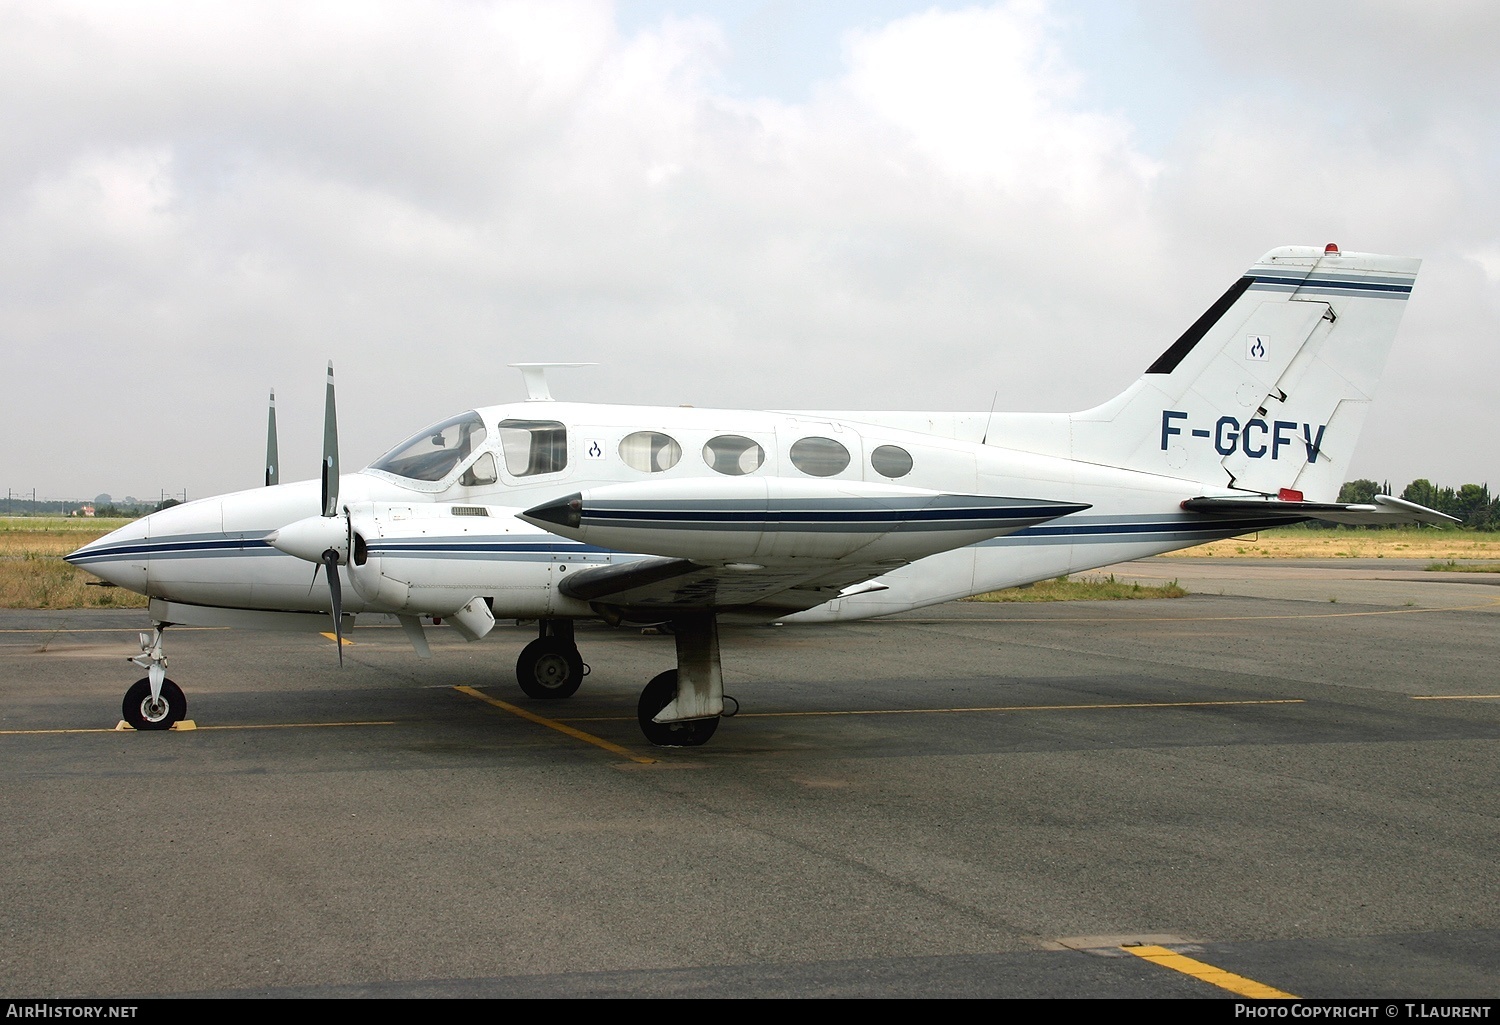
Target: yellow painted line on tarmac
1027,708
27,733
1454,697
112,630
247,726
1195,619
995,708
553,724
330,635
1208,973
300,725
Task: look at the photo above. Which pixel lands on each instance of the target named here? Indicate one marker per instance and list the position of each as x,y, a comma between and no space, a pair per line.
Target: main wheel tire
658,694
549,668
142,713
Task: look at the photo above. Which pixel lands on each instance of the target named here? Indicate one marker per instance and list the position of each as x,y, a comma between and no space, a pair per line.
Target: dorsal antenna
535,375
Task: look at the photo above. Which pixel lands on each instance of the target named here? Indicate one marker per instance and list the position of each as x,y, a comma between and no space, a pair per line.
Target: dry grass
34,576
1351,544
1083,589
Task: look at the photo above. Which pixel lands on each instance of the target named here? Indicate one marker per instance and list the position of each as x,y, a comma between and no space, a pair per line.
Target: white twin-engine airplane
558,511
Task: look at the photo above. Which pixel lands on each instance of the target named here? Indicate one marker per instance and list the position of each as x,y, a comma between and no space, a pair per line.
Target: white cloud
984,93
202,201
1489,261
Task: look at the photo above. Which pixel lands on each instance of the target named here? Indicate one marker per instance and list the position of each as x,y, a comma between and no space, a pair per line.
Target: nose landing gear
153,703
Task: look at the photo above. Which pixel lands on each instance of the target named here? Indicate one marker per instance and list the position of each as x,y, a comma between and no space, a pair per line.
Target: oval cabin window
891,461
819,457
734,455
650,452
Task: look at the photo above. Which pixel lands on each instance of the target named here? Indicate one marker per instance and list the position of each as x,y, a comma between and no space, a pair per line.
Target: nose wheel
145,712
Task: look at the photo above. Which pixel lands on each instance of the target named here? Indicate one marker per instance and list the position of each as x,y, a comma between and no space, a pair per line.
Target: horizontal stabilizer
1386,511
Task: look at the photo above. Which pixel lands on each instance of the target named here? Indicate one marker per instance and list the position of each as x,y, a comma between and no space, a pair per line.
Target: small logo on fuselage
1257,348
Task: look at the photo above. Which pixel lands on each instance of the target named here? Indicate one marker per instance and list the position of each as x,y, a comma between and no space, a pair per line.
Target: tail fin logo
1255,348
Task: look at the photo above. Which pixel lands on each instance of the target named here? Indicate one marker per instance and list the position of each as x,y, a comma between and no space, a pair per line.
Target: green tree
1421,492
1471,503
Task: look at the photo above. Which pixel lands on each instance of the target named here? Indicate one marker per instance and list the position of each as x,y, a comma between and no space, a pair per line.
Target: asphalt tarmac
1288,777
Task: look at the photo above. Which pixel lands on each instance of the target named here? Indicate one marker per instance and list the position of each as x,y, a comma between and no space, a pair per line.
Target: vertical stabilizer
1269,388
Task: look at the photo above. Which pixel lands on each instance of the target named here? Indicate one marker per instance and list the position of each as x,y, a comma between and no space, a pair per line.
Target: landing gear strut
550,666
681,707
154,703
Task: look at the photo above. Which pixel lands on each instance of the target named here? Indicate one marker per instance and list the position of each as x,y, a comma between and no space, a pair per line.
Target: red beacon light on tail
1331,249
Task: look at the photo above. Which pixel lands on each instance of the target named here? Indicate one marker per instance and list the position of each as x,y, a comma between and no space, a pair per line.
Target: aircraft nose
118,557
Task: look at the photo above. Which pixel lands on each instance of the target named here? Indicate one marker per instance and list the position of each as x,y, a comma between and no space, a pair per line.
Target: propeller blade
273,458
330,451
331,561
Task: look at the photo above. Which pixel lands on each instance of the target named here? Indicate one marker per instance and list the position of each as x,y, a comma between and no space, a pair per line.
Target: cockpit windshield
432,454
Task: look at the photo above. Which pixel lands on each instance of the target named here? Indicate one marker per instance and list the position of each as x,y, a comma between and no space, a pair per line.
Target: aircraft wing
768,543
1387,510
662,585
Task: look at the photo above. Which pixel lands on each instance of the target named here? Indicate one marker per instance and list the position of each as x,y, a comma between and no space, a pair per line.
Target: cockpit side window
533,446
481,472
432,454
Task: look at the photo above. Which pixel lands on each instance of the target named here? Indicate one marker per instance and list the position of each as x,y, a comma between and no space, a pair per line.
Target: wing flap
662,585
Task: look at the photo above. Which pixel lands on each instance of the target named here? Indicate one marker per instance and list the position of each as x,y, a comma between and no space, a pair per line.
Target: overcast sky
770,204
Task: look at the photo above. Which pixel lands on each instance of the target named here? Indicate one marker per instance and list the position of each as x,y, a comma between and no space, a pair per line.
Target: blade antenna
988,419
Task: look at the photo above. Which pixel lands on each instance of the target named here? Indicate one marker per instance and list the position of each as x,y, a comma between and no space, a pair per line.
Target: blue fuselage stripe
1133,531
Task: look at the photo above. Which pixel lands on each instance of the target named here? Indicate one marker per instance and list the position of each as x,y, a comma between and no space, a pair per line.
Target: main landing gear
550,666
678,708
681,707
153,703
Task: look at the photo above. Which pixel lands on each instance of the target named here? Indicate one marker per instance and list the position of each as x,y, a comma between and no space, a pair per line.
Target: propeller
330,451
331,563
327,539
330,555
273,459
